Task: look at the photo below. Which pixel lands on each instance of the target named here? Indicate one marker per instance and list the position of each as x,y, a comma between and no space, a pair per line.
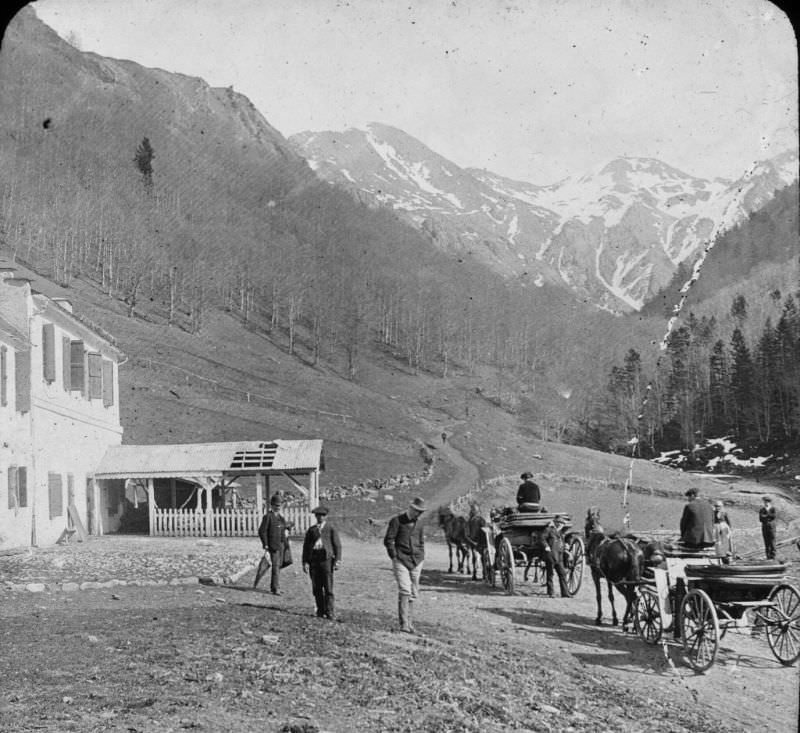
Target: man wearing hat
554,556
697,522
528,493
768,518
322,553
405,544
272,533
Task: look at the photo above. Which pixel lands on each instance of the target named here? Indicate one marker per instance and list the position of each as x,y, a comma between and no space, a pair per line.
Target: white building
59,412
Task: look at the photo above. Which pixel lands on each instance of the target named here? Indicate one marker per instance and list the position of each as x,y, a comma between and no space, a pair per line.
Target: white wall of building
72,419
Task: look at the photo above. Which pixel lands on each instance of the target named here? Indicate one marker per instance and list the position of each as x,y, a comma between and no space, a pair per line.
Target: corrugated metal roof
212,459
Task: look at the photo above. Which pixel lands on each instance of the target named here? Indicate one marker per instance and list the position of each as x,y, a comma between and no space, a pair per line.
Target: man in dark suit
322,554
272,533
697,522
768,518
554,557
528,493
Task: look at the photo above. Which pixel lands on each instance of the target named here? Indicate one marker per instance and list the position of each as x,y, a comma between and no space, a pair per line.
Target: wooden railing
222,522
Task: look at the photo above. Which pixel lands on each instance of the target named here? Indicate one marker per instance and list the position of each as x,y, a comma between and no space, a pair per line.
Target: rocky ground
201,656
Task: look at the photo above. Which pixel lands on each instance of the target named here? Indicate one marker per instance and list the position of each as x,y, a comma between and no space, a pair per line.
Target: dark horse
620,559
464,535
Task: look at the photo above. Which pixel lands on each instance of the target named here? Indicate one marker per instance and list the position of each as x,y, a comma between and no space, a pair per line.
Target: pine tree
742,379
144,162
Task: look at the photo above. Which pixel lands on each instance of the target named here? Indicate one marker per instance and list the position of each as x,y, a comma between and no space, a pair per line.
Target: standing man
528,493
697,522
322,554
768,518
272,533
554,557
405,544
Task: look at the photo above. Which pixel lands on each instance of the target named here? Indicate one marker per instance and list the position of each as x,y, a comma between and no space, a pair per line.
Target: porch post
97,515
314,488
151,505
209,512
260,492
173,494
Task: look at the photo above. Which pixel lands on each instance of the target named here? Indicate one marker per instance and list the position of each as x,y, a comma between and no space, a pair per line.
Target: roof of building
13,336
212,459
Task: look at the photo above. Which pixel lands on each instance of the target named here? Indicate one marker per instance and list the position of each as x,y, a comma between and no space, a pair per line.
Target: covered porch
206,489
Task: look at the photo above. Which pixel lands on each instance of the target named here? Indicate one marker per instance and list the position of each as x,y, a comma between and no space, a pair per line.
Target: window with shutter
95,376
108,382
77,367
3,376
56,493
49,352
22,381
22,486
17,487
13,499
66,377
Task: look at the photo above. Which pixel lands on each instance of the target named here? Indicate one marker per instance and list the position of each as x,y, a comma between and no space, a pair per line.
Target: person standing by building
273,535
405,544
697,522
322,554
768,518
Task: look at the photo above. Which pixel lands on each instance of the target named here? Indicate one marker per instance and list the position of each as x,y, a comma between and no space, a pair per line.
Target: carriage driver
528,493
554,557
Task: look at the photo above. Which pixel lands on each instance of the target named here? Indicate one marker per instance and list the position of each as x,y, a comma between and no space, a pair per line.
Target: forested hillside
177,198
730,367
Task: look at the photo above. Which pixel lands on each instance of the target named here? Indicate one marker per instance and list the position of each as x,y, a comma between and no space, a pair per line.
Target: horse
616,558
620,559
454,527
475,537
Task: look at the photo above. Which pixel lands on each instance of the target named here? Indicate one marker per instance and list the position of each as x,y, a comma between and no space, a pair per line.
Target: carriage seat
529,506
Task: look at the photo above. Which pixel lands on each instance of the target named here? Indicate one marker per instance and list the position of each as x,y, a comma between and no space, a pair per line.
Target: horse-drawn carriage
698,599
515,539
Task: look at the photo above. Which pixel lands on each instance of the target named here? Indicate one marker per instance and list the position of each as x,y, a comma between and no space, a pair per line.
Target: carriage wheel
489,575
506,566
647,616
699,629
574,555
782,623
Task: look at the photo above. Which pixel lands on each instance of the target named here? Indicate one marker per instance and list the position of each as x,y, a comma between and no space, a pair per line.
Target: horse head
444,515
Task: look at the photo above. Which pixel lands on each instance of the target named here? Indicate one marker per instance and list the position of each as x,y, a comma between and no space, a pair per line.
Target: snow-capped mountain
614,235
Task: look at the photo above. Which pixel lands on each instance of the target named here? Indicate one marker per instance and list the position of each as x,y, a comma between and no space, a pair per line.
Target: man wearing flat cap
273,533
768,518
405,544
322,554
697,522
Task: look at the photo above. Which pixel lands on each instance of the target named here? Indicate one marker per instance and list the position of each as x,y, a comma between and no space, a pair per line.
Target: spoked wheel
506,566
574,555
489,574
647,616
782,623
699,629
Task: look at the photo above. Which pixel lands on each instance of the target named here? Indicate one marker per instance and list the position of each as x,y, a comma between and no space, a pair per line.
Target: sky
536,90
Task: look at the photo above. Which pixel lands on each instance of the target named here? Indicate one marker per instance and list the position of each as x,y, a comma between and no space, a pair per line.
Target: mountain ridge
614,236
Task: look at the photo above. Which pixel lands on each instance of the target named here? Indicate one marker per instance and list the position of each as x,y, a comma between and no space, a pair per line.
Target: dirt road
227,657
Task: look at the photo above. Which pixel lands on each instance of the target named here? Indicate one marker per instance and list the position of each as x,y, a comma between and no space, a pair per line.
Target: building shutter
49,352
77,367
108,382
95,376
13,500
3,376
56,493
66,376
22,486
22,381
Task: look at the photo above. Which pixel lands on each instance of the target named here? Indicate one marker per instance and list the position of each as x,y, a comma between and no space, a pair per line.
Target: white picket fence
222,522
